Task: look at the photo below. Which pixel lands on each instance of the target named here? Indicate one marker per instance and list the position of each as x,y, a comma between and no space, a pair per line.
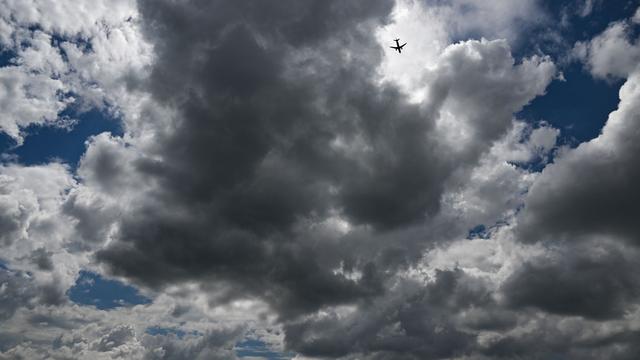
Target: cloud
66,55
217,345
261,153
592,279
584,204
72,331
29,196
29,98
611,54
588,7
415,321
34,233
569,202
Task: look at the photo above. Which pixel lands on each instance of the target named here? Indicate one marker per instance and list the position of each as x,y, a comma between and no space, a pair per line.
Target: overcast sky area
193,179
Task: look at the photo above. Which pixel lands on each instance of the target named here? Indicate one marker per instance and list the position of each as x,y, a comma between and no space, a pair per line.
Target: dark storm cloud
281,124
288,275
547,340
593,279
413,322
251,155
588,193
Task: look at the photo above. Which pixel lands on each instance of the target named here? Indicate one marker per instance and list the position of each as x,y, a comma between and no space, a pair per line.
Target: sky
190,179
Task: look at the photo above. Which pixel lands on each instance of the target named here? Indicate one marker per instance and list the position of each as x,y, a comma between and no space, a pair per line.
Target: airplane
398,47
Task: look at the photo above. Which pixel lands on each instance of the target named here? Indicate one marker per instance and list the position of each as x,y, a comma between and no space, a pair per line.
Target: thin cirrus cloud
284,187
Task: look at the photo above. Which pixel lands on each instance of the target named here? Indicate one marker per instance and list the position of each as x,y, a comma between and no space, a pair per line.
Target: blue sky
49,143
578,106
93,290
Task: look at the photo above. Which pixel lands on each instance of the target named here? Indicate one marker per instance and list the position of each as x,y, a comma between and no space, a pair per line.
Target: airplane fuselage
398,47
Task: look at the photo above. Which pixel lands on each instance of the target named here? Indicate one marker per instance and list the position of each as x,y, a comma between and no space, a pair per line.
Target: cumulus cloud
494,18
592,279
270,144
67,55
86,333
613,53
35,233
28,99
414,321
583,205
262,152
562,202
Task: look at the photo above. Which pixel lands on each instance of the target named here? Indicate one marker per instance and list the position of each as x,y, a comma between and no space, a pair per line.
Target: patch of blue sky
255,348
565,24
158,330
6,57
534,165
478,232
584,26
481,231
44,143
92,289
579,106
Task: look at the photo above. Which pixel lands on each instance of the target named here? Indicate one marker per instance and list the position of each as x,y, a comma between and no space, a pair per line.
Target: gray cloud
590,191
278,130
412,322
592,279
15,293
215,344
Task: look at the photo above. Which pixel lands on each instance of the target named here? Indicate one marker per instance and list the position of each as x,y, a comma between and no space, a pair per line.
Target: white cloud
28,98
66,17
94,50
35,233
612,54
84,332
493,18
587,7
636,17
429,27
424,30
482,87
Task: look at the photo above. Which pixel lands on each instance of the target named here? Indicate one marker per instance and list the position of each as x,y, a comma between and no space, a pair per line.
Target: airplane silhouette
398,47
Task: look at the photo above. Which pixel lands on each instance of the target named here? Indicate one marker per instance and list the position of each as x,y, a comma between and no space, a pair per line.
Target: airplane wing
401,46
